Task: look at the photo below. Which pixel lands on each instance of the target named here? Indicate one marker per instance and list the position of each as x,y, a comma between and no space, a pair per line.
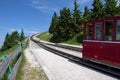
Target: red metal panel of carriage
102,41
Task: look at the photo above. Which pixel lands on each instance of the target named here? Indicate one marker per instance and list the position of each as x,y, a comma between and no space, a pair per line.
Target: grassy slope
45,36
76,40
7,52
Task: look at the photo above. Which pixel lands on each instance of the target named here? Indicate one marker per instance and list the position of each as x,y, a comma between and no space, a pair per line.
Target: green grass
20,69
7,52
76,40
4,77
45,36
19,74
32,72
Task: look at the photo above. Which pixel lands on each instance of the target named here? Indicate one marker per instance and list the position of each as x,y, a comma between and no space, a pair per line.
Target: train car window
98,31
89,31
118,30
108,30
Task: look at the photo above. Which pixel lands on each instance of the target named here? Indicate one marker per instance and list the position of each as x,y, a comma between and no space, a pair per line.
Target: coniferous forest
70,22
12,40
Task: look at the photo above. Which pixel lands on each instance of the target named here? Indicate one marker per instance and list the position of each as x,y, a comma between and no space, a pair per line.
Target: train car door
117,38
98,37
92,42
88,36
108,46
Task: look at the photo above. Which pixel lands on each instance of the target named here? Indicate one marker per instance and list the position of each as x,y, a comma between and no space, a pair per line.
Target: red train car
101,41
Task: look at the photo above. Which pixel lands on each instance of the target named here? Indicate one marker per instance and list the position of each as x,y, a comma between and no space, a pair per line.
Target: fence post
15,68
9,70
4,57
19,43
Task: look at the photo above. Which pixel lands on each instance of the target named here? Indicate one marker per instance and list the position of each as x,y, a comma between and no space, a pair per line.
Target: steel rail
74,48
114,72
66,47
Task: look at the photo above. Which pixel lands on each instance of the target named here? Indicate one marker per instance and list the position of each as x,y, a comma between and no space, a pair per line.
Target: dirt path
32,69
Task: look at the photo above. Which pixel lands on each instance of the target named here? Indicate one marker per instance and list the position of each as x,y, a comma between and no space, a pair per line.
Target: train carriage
101,41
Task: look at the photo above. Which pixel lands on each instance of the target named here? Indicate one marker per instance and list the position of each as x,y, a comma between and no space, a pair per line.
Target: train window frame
117,30
100,32
108,37
89,37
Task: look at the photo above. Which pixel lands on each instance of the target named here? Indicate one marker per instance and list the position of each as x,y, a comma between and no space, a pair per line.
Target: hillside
76,40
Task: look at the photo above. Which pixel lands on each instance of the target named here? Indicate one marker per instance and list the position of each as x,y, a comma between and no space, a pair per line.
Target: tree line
12,40
69,23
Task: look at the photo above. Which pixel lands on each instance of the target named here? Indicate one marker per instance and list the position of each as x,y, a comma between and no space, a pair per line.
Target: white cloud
35,1
43,6
45,9
13,29
27,32
83,1
118,2
31,32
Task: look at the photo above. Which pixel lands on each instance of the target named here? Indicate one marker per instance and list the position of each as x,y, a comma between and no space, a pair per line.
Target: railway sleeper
105,69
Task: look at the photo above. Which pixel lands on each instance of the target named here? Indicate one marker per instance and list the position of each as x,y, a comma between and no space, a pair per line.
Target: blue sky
32,15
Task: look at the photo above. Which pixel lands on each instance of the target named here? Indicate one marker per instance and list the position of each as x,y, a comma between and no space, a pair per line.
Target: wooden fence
5,63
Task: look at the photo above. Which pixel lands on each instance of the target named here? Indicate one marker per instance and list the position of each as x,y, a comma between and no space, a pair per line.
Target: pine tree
97,11
77,13
53,23
111,8
10,40
87,14
118,9
86,11
5,44
63,30
13,39
77,17
65,21
22,36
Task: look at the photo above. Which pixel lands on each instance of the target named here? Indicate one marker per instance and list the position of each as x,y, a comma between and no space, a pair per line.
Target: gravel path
59,68
32,68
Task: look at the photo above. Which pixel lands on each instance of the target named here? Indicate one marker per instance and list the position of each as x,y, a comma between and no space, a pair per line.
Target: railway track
101,68
79,49
74,48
